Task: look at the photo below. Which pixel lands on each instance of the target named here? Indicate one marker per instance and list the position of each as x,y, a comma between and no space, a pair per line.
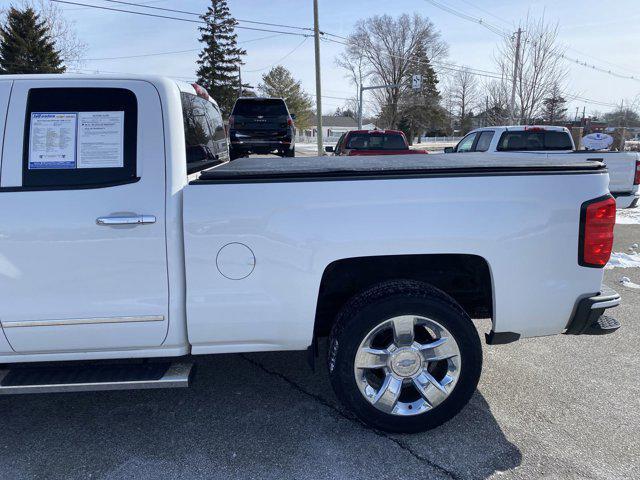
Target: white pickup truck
125,234
623,167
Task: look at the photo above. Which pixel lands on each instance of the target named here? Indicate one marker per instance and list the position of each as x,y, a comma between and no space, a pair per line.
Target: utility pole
360,106
486,111
516,61
316,37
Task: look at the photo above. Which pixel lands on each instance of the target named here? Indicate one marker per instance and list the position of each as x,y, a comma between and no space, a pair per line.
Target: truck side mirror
329,149
448,149
293,116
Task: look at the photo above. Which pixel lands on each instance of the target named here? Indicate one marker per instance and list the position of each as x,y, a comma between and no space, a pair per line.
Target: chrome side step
86,378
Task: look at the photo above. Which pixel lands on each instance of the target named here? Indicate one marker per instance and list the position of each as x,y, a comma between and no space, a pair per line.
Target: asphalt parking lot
558,407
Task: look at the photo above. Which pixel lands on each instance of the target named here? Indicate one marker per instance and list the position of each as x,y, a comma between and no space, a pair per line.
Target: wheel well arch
465,277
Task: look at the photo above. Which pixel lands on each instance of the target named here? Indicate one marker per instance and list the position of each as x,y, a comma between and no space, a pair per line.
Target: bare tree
540,66
497,103
357,73
465,96
63,31
386,46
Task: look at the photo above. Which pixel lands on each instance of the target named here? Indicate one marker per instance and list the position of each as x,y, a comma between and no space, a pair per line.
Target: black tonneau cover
390,166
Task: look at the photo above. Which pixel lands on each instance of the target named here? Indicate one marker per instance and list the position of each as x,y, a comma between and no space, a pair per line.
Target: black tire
290,152
389,299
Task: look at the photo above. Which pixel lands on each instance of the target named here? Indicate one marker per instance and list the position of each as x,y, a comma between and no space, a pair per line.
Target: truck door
82,217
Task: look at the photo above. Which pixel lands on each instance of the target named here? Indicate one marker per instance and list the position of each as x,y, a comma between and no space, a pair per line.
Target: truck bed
337,168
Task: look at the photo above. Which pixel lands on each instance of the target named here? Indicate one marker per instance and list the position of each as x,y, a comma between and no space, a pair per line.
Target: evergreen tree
420,110
280,83
554,108
26,45
219,62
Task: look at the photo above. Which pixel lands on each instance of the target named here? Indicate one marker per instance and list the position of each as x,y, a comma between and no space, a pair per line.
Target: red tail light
636,178
597,219
290,121
231,120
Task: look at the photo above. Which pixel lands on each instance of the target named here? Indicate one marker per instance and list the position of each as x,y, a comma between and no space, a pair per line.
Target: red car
373,142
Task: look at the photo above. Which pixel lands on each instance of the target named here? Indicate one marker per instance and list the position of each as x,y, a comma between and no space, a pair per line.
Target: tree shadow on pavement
246,416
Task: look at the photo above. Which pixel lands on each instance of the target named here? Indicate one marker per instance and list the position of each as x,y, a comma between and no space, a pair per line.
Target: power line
478,72
444,65
84,8
505,34
142,55
185,12
500,19
281,59
604,61
506,22
155,54
470,18
154,15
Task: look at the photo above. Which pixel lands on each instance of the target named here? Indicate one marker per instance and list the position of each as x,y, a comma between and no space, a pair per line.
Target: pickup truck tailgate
622,169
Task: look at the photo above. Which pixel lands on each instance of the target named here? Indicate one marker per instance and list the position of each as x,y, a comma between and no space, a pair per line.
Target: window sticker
100,139
52,142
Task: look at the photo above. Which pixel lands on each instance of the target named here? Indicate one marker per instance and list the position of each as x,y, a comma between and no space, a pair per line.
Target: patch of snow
626,282
623,260
628,216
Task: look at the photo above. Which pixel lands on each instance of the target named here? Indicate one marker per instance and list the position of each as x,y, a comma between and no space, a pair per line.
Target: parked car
623,167
261,125
372,142
114,246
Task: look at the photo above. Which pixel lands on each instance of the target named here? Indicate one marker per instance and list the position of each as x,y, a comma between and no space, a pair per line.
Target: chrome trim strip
132,220
82,321
608,304
177,376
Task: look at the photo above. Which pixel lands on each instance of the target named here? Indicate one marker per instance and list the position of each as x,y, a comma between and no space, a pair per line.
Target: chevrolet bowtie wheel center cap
406,362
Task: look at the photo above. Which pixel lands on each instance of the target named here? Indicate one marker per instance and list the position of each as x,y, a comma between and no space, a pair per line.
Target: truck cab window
484,140
535,140
203,133
466,143
79,138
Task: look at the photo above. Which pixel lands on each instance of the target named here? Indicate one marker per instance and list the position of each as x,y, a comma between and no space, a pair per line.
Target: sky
603,34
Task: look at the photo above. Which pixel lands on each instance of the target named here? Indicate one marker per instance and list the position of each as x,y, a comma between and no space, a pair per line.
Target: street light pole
374,87
316,37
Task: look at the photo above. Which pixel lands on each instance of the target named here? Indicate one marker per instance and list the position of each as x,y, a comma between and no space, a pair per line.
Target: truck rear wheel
404,356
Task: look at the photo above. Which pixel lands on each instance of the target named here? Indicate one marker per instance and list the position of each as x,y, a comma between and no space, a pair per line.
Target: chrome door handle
128,220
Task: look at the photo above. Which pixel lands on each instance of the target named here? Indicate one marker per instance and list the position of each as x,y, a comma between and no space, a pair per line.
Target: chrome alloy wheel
407,365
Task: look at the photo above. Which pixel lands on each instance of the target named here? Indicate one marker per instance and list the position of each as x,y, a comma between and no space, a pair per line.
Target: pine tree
419,110
220,59
26,45
554,108
279,82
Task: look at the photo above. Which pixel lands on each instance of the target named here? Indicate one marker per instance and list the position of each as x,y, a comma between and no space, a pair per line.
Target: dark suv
261,125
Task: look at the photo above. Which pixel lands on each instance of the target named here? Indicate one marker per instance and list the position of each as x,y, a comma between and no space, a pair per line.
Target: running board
97,377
